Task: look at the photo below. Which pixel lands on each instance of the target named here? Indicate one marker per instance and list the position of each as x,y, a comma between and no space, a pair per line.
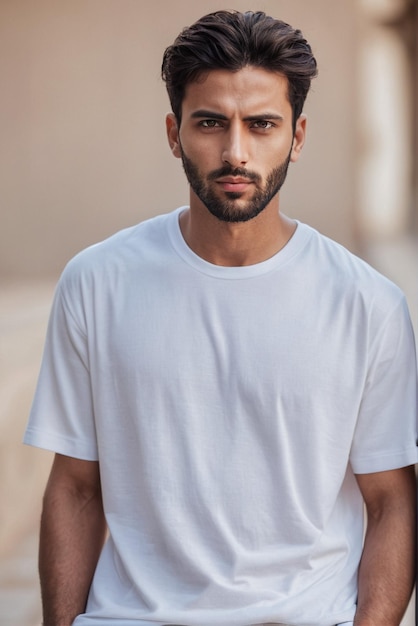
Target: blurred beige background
83,153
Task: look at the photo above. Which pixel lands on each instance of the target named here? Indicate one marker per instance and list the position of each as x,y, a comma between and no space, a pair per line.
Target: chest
270,342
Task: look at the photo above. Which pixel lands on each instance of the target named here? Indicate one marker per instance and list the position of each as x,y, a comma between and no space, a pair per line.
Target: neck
238,243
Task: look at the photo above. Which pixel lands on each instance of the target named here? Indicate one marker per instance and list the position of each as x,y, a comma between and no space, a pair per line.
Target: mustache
227,170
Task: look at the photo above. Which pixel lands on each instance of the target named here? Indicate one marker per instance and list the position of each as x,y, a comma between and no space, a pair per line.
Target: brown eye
209,123
263,124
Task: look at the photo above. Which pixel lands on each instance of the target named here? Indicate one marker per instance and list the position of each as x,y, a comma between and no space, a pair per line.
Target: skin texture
236,120
236,130
72,534
387,566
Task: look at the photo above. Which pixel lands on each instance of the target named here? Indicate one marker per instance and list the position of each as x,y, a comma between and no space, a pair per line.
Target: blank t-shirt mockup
230,409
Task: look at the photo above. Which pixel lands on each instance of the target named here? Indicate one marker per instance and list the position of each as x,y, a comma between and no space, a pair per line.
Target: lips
234,183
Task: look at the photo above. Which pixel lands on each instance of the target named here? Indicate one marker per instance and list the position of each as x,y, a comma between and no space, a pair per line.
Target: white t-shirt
229,408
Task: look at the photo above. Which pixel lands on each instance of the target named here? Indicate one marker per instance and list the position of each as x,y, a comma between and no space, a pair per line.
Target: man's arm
72,534
387,566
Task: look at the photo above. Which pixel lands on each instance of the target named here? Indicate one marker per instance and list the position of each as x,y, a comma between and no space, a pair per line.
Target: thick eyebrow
204,113
209,114
263,116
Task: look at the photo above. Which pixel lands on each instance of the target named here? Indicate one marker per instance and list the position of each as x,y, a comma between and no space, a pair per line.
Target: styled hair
232,40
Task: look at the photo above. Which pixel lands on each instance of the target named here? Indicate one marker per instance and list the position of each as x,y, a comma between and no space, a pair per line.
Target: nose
235,149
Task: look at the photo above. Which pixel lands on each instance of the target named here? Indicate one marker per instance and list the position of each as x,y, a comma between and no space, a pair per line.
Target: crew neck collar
292,247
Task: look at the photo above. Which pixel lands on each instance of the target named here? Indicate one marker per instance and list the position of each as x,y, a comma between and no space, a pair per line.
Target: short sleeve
386,432
62,414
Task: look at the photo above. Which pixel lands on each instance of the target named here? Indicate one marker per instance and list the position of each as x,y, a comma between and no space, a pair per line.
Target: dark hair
232,40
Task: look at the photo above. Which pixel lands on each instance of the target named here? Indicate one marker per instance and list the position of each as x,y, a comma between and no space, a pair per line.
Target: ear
298,138
173,134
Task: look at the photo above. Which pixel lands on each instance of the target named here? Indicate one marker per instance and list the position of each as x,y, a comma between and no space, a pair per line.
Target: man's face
236,140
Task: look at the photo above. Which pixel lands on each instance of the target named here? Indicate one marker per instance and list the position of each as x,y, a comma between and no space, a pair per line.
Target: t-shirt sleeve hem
385,462
60,445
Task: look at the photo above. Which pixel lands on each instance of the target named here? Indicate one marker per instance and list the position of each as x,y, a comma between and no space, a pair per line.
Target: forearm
386,573
72,535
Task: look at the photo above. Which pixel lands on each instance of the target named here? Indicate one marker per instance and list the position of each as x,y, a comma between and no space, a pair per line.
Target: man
223,386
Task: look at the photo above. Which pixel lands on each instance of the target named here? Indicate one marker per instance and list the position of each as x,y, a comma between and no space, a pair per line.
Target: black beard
226,210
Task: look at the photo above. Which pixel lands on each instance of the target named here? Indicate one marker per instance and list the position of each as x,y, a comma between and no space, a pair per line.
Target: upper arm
388,491
76,476
386,430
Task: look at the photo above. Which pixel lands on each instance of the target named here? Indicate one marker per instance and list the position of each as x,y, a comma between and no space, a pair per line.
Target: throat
236,245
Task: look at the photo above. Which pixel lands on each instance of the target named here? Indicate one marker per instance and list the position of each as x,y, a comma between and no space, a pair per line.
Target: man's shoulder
120,251
346,271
